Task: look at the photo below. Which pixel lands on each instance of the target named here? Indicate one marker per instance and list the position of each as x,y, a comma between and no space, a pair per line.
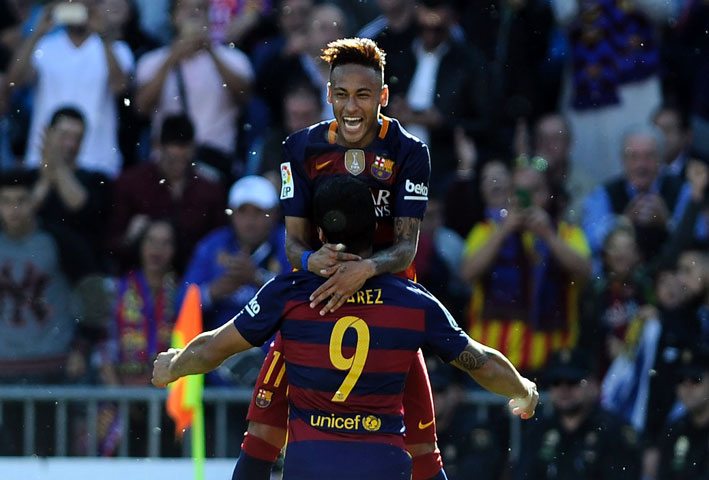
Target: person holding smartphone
72,65
526,268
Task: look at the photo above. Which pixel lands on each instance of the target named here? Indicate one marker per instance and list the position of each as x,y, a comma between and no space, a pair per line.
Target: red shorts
269,403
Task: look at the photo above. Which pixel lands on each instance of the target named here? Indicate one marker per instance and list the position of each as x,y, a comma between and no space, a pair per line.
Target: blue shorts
317,459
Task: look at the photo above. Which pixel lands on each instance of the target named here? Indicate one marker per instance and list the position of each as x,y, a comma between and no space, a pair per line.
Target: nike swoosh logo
424,426
323,165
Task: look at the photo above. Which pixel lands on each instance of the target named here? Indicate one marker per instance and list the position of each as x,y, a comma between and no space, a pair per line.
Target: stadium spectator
613,299
579,439
75,64
467,442
65,193
646,196
231,263
140,327
236,22
302,107
683,454
447,88
168,187
677,136
208,82
613,79
394,32
302,63
526,269
463,202
41,336
292,35
514,38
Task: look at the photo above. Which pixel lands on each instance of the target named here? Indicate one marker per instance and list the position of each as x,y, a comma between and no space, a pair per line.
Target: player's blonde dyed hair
359,51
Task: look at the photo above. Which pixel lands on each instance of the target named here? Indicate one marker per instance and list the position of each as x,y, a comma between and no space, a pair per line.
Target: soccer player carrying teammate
347,370
362,143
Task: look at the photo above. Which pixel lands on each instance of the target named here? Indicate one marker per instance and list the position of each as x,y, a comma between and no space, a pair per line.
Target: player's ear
384,96
321,235
329,93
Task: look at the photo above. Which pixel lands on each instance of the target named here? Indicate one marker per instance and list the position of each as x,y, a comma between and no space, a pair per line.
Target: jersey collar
383,129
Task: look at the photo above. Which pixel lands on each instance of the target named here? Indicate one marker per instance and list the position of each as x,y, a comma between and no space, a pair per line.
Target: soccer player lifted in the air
347,370
362,143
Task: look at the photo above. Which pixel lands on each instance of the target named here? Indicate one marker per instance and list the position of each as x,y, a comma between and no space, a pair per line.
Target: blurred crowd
567,222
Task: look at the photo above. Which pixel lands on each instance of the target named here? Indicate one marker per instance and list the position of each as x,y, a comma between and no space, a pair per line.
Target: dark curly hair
359,51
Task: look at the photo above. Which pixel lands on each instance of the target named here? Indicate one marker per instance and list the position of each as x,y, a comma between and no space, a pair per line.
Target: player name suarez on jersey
367,296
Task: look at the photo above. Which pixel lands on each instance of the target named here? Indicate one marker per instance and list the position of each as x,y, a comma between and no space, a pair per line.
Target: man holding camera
72,64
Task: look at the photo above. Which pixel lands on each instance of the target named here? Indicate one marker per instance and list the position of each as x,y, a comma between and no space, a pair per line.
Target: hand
521,138
242,269
537,221
465,150
184,47
50,158
46,20
75,364
326,259
648,209
512,222
137,225
347,279
161,368
524,407
698,177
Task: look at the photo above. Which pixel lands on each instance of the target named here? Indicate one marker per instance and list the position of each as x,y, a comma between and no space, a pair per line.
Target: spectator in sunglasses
579,439
683,452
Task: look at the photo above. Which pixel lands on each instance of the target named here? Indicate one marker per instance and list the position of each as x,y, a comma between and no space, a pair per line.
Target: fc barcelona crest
382,168
263,398
354,161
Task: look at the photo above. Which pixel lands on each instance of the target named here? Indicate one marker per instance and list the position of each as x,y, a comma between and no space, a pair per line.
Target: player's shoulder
294,283
405,291
316,133
398,134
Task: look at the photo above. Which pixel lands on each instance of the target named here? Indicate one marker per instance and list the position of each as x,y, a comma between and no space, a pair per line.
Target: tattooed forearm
399,256
471,358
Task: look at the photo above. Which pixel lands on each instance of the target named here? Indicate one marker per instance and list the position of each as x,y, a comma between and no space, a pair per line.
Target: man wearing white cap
231,263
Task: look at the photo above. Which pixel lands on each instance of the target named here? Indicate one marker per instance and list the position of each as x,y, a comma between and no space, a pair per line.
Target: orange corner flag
184,399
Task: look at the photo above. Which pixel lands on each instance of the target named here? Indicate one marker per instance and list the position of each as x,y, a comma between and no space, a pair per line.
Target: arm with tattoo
399,256
494,372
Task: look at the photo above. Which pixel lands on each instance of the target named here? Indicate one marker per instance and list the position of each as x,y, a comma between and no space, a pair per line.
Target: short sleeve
261,316
149,64
236,61
296,194
411,188
443,335
124,56
477,237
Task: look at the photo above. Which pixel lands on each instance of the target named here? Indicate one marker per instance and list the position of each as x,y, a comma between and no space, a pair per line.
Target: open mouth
352,124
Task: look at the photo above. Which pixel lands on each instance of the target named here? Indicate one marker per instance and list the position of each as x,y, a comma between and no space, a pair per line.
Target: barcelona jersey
347,370
396,167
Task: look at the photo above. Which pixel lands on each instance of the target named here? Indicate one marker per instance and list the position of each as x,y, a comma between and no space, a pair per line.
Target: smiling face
357,95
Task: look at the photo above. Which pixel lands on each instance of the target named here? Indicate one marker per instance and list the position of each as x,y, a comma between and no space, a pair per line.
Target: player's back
346,372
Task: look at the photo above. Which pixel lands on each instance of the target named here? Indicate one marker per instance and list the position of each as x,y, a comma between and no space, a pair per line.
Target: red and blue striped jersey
396,167
347,369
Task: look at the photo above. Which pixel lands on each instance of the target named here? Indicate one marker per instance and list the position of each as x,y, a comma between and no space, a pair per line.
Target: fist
161,368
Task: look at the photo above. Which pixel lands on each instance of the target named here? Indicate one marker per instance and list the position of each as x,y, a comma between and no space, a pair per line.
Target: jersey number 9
355,363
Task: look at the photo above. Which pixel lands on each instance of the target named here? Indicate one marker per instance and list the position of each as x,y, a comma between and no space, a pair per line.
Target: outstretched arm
494,372
204,353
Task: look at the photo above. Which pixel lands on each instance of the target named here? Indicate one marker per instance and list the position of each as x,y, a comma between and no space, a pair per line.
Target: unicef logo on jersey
371,423
382,168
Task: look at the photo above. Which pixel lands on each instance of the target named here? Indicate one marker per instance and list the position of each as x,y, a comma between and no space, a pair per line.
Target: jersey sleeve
411,188
443,335
296,192
261,316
